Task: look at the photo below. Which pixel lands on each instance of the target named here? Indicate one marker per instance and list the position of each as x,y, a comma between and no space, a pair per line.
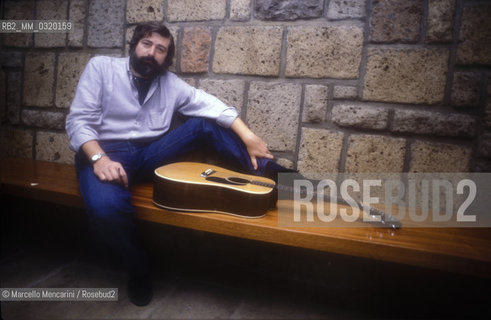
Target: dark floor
205,276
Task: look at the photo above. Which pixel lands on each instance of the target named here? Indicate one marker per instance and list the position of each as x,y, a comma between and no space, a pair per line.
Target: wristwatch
96,157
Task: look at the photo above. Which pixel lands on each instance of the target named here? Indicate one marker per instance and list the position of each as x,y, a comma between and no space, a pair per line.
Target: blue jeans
109,209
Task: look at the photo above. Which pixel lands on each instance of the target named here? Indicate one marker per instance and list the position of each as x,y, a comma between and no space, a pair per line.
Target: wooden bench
459,250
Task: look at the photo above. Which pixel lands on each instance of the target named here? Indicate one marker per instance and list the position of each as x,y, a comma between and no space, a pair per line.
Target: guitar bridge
207,173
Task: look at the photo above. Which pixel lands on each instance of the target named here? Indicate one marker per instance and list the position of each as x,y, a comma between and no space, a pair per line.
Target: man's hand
256,147
110,171
104,168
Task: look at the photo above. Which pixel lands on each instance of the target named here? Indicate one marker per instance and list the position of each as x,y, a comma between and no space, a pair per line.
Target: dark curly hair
145,29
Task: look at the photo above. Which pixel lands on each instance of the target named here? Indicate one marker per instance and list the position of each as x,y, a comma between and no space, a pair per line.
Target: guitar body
199,187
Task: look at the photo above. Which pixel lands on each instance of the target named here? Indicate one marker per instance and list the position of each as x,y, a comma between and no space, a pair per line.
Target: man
119,125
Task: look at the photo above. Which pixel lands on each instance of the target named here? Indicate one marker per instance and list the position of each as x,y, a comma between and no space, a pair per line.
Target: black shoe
140,290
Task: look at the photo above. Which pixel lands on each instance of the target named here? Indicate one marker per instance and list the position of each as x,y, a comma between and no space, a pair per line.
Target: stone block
14,98
475,36
196,10
240,10
15,142
396,21
345,92
440,20
105,24
406,75
320,151
286,163
144,10
273,110
195,49
11,59
466,89
43,119
373,154
284,10
76,14
346,9
70,68
324,52
360,116
50,10
53,147
434,123
315,105
484,146
437,157
17,10
231,92
248,50
38,79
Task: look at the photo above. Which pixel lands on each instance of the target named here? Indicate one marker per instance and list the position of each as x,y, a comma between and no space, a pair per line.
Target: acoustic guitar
199,187
192,186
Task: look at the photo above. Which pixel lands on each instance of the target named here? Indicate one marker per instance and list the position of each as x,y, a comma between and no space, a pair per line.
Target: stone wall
331,85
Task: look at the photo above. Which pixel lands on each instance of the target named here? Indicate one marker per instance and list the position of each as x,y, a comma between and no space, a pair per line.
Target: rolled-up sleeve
85,115
227,116
197,103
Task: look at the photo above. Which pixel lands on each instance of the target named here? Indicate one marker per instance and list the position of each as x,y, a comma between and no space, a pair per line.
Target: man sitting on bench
119,124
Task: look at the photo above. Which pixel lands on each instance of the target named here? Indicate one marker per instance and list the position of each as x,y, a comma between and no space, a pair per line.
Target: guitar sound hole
237,180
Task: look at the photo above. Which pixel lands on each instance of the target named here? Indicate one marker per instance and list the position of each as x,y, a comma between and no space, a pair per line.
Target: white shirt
106,104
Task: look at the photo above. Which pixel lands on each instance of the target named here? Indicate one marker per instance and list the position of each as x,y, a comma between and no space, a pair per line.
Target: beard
147,67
